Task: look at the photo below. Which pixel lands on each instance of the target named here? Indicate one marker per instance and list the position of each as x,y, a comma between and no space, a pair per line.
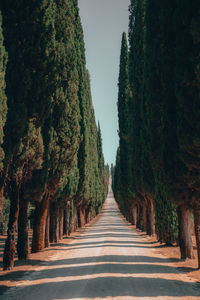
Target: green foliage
124,126
136,75
6,210
3,99
65,115
100,153
71,187
74,144
161,111
91,191
29,39
115,171
165,215
152,149
60,128
52,143
71,216
187,90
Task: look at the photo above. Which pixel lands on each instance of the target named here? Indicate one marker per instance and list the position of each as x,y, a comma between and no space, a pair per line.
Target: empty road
109,260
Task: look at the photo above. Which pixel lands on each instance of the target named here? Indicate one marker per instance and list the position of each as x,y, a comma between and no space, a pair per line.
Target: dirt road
109,260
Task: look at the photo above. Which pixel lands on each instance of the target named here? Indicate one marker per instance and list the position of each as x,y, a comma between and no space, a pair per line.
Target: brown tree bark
1,208
23,249
79,216
61,217
144,218
82,216
89,215
10,249
139,223
87,210
197,229
66,219
54,223
75,219
150,218
47,229
134,215
39,226
138,217
185,234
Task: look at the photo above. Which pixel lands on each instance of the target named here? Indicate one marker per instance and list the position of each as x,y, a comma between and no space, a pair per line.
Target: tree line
50,146
156,179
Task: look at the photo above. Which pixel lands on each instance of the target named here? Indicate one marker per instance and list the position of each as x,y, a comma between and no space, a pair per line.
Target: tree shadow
108,287
113,235
112,264
116,243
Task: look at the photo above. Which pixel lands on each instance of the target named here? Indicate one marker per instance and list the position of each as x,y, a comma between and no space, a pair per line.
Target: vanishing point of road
107,260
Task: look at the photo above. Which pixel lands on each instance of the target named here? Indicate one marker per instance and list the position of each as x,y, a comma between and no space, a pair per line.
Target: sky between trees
103,23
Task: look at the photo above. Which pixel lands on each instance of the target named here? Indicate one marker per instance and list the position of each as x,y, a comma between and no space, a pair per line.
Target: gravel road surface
108,260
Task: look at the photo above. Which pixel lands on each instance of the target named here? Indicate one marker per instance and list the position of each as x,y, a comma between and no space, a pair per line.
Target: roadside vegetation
51,161
156,176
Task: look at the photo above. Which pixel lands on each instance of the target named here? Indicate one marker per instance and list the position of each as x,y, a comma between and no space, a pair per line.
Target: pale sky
103,22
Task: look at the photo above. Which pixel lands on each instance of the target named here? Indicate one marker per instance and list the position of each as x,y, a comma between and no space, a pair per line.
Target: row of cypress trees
156,178
50,147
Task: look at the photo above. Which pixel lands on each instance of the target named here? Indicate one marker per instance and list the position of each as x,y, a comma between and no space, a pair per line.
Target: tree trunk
197,229
54,223
9,251
39,226
150,219
185,234
79,216
65,221
75,219
47,229
61,213
87,215
82,216
144,218
1,209
23,248
66,218
134,215
140,217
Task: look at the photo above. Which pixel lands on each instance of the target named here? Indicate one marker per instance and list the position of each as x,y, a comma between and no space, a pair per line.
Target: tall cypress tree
159,48
3,113
141,177
100,153
29,40
124,116
61,130
103,170
187,87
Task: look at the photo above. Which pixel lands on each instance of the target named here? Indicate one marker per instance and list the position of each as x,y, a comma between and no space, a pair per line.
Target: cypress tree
141,176
100,153
62,128
29,36
68,197
103,173
158,90
187,69
91,191
124,116
3,113
83,154
116,175
112,173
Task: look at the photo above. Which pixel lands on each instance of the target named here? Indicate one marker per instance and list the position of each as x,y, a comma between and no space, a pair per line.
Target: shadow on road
120,287
106,275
